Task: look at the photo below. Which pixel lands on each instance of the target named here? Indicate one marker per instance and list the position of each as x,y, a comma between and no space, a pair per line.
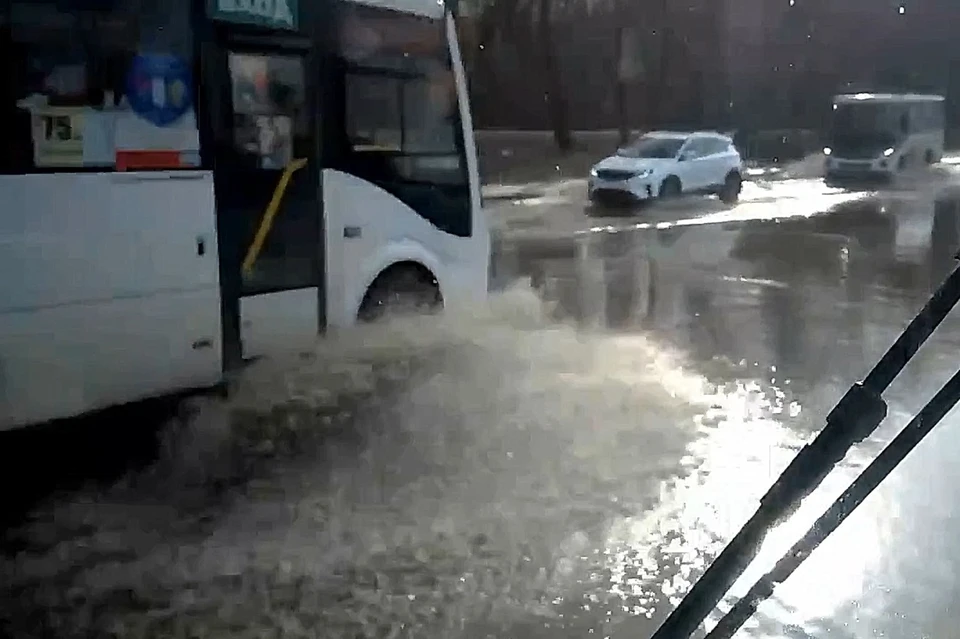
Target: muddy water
475,460
550,469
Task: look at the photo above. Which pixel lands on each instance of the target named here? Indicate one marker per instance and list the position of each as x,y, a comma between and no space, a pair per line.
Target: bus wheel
407,288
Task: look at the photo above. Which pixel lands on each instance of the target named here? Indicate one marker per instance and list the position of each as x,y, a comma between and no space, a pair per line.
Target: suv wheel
730,191
670,188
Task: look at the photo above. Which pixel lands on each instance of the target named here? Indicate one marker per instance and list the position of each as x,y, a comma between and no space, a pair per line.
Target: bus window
271,127
270,119
385,39
373,113
930,115
402,114
64,70
429,107
406,139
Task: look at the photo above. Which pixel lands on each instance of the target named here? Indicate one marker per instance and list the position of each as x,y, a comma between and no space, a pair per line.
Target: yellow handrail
266,222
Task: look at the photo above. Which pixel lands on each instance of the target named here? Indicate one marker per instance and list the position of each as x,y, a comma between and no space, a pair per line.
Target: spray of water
429,477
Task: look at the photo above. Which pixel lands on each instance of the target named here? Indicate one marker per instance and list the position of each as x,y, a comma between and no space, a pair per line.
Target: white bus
186,185
882,134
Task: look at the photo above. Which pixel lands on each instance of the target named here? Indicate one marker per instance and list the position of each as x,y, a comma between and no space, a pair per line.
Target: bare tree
655,108
556,100
621,90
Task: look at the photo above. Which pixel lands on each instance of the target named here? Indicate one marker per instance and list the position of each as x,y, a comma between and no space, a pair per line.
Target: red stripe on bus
132,160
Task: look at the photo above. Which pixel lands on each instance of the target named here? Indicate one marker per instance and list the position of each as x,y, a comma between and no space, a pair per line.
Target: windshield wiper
888,459
854,418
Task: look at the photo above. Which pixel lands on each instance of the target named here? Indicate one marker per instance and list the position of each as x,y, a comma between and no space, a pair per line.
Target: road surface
557,469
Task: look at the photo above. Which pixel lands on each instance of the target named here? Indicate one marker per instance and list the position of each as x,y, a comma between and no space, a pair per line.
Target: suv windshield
652,147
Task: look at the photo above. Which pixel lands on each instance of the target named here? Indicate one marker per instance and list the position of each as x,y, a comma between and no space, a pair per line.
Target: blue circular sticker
159,88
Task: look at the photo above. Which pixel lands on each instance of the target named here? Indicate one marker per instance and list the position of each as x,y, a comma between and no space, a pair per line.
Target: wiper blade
865,483
854,418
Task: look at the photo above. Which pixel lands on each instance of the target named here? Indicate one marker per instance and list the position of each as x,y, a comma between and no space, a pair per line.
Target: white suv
664,164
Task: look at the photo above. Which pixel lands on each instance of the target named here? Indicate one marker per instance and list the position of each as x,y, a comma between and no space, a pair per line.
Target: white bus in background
883,134
186,185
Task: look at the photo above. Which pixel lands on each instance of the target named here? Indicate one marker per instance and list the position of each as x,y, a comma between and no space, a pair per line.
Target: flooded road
780,314
555,469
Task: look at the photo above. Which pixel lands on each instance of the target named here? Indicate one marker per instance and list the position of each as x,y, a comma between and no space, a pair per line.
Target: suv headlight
888,152
593,172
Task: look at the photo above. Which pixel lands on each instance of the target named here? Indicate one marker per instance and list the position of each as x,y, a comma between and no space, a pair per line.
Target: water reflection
708,330
782,317
945,236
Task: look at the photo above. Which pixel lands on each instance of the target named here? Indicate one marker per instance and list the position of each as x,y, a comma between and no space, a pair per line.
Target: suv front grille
614,174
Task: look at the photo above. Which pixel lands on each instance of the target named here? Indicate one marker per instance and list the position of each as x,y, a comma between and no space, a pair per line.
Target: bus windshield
868,124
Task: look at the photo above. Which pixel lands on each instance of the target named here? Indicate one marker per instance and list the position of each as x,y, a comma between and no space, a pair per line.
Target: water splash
431,477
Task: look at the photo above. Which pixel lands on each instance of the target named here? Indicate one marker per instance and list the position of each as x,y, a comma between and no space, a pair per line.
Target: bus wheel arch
405,287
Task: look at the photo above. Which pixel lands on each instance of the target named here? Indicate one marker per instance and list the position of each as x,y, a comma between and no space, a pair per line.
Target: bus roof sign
273,14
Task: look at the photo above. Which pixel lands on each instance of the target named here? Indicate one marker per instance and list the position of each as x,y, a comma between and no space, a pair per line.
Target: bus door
263,119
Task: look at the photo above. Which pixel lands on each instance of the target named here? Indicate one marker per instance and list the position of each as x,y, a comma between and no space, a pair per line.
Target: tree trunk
486,29
556,102
658,87
624,129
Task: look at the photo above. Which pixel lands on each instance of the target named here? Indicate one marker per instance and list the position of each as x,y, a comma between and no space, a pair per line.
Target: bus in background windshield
882,134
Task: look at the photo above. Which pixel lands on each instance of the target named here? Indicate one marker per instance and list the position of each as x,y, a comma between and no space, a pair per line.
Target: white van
881,135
